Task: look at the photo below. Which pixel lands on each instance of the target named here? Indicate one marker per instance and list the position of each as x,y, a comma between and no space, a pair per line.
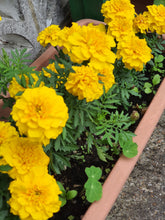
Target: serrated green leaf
158,2
5,167
101,154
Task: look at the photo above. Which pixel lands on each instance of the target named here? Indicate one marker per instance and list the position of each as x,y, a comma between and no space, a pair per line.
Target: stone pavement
143,196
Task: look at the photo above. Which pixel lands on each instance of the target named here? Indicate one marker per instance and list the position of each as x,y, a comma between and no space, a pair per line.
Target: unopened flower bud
135,115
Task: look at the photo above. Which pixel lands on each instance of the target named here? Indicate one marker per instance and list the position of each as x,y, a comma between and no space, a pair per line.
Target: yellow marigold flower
141,23
40,114
107,77
49,35
34,196
157,16
15,87
117,8
120,27
87,47
22,154
6,132
64,35
84,83
134,52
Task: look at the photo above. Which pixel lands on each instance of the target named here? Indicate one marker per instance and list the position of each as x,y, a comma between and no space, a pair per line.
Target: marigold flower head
15,87
84,83
120,27
157,16
86,47
40,114
34,196
7,132
141,23
49,35
117,8
22,154
64,35
134,52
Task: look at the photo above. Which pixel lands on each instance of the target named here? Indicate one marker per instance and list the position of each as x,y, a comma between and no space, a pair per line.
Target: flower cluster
78,42
34,193
120,17
151,20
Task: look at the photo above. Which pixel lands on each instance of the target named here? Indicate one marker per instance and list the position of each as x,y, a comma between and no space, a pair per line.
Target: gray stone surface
143,196
22,20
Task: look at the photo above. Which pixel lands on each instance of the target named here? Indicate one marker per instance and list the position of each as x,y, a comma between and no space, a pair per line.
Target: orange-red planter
123,167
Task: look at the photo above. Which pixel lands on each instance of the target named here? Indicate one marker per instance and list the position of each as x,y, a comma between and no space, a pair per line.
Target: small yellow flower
49,36
141,23
7,132
157,16
120,27
84,83
117,8
40,114
34,196
22,154
0,18
15,87
64,35
134,52
86,47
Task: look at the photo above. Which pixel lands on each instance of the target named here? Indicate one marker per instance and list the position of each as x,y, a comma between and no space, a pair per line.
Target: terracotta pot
124,166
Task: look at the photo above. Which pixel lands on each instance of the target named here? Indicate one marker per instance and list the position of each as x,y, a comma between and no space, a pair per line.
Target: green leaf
101,154
156,79
63,201
93,190
147,90
5,167
61,186
130,149
147,85
93,172
71,194
3,214
159,58
158,2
